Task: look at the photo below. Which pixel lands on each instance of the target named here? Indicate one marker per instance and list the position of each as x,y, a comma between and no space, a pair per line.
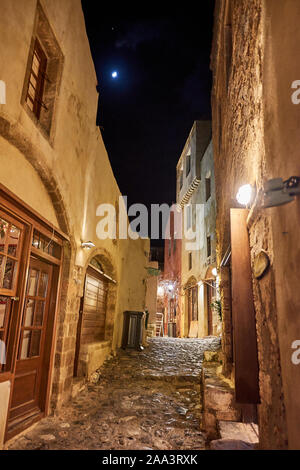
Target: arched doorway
210,296
191,302
92,341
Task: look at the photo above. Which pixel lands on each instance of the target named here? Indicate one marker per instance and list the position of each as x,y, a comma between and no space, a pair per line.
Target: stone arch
15,135
190,282
105,259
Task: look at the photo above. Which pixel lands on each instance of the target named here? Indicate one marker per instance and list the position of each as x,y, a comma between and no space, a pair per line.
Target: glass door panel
10,251
5,308
34,308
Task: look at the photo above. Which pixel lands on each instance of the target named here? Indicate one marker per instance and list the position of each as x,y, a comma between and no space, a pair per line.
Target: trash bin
172,330
133,330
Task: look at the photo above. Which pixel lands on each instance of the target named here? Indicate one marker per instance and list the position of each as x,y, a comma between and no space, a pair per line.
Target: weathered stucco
67,175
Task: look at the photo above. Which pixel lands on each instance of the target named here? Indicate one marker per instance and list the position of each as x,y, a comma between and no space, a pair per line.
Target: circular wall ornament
261,264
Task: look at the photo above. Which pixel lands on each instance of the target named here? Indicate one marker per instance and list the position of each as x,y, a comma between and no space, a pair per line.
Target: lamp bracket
279,192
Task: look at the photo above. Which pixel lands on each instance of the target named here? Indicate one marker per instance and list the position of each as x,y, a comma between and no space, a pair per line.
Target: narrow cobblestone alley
142,401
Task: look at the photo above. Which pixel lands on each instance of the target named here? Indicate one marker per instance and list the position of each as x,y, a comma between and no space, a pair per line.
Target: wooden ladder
159,324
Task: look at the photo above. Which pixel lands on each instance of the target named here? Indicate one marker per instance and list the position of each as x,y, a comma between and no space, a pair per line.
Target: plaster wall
66,176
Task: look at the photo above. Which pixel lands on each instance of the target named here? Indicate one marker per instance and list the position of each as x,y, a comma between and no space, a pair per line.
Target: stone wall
238,61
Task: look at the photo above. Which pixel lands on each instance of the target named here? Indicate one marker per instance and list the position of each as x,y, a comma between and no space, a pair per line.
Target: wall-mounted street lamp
276,192
245,195
87,245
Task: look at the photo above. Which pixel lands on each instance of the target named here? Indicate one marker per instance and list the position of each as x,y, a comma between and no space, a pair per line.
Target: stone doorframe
104,257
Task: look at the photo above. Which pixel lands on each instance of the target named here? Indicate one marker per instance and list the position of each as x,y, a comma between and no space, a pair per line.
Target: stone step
247,432
231,444
78,386
236,436
218,401
212,356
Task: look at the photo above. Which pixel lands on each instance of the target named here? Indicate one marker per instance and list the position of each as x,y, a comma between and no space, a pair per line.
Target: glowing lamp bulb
160,290
245,194
214,272
114,74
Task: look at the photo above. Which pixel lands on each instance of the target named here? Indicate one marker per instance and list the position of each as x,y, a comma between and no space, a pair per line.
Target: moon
114,74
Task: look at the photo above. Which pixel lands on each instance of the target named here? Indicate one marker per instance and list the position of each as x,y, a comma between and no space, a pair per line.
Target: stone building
172,280
256,118
154,302
151,295
61,304
196,196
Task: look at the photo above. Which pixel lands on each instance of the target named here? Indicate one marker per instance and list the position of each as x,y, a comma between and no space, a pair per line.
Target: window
181,179
11,240
190,261
35,90
10,244
2,92
208,245
207,188
46,245
43,74
172,310
188,212
96,263
5,307
187,164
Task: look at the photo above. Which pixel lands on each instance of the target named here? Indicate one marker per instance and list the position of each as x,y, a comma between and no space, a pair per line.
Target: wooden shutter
94,308
36,81
243,313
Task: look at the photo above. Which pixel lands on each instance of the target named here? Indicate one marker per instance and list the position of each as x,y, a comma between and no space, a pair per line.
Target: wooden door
190,307
209,295
243,312
194,303
27,399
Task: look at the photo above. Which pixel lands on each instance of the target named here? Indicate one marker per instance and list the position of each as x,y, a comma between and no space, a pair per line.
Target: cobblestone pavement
142,400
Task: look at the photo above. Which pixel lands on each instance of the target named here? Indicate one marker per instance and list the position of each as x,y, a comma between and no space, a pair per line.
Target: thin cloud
146,31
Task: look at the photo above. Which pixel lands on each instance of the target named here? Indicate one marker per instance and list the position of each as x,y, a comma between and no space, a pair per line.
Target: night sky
162,59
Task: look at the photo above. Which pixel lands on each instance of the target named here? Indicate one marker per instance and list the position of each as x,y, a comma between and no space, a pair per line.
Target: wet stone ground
142,400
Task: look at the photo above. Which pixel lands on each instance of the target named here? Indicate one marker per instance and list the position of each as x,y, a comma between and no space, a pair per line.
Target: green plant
216,305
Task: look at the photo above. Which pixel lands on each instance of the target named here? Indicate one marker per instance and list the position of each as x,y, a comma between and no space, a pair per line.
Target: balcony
189,165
